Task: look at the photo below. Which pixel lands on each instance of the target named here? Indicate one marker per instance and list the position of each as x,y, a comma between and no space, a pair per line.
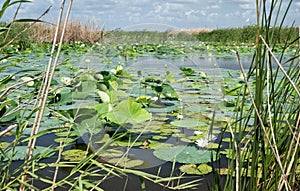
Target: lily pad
185,154
4,145
188,123
20,152
64,140
74,155
28,79
158,145
126,163
111,153
193,169
197,108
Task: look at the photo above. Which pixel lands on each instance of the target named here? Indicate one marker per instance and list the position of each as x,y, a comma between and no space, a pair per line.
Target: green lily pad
159,137
187,140
74,155
185,154
4,145
197,108
66,140
213,146
111,153
158,145
188,123
126,163
193,169
28,79
20,152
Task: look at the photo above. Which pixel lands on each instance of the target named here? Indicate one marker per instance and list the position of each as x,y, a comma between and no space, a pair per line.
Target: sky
154,14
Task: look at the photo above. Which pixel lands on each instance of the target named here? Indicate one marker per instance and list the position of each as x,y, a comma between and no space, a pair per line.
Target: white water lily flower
154,98
205,141
179,116
202,142
198,133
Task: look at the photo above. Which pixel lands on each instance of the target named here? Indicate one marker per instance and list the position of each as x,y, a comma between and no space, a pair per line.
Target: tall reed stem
46,86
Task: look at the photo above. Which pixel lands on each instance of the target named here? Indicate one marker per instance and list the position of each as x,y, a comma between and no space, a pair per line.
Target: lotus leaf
185,154
128,111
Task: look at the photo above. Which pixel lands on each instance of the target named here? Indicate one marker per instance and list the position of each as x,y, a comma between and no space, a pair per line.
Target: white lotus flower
179,116
202,142
198,133
205,141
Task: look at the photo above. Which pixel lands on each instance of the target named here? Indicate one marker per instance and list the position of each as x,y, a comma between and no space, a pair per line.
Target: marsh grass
247,35
266,156
88,32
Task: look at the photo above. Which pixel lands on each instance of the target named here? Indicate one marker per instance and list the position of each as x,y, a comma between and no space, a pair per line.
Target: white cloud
182,13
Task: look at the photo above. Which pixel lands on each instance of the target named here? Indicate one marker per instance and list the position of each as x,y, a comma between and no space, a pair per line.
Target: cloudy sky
155,14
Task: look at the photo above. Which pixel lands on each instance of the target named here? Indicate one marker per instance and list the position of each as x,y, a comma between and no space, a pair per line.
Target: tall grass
246,34
89,33
267,155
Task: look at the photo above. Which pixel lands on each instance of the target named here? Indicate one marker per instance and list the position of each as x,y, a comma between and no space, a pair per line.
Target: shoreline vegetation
91,33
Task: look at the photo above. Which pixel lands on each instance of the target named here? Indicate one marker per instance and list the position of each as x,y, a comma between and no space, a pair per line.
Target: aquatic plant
265,137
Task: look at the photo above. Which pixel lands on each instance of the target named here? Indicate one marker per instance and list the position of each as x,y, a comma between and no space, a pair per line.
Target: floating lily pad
197,108
74,155
227,140
159,137
64,139
111,153
185,154
20,152
213,146
4,145
126,163
188,123
158,145
187,140
193,169
28,79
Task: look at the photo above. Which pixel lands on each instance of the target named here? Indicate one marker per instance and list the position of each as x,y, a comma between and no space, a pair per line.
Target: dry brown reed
88,32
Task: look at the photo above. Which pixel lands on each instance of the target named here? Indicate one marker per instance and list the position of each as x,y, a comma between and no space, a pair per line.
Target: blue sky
155,14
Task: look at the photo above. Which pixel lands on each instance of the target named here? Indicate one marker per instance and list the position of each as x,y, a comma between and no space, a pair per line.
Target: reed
88,32
268,153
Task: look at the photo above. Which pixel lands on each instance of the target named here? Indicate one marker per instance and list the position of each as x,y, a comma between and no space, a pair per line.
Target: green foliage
269,150
193,169
128,111
185,154
247,34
